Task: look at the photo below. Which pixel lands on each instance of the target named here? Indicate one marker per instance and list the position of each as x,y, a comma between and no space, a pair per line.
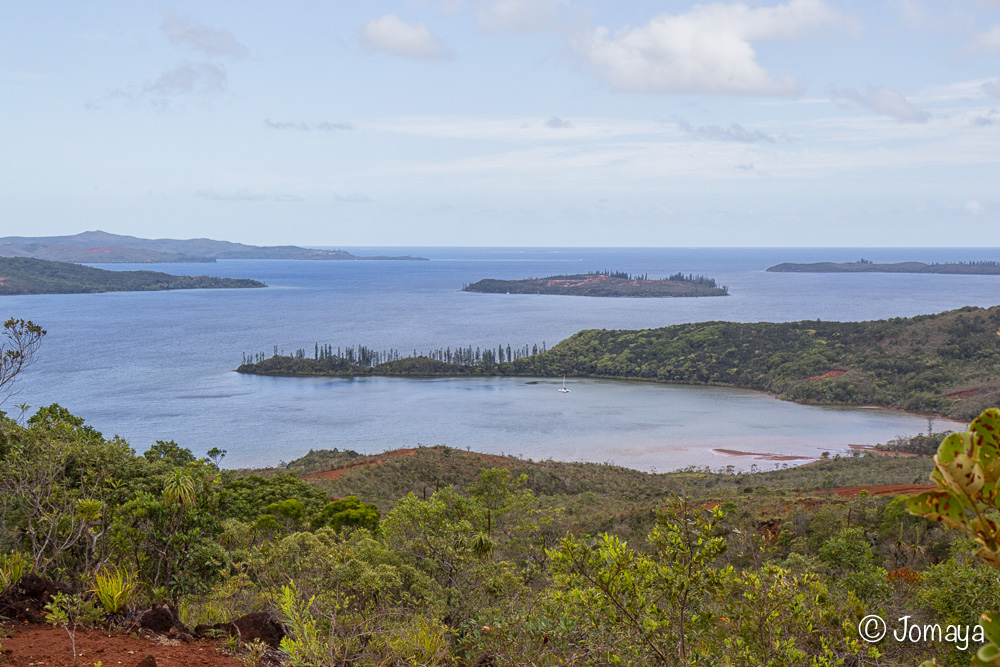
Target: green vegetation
100,247
444,557
947,364
22,275
604,283
967,473
473,559
979,268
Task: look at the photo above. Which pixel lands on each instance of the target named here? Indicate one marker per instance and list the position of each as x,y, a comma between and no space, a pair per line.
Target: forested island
604,283
24,275
977,268
947,364
101,247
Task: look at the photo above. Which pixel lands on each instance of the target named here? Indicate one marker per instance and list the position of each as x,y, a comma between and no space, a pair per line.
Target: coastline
894,408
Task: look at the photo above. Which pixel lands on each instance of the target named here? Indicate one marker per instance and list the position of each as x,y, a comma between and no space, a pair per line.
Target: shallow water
158,365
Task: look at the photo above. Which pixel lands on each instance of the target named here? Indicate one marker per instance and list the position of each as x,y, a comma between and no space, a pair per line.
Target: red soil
870,449
337,472
963,394
763,456
46,645
883,490
593,280
829,374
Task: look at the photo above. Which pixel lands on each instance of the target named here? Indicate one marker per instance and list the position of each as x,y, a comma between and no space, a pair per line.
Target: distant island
604,283
101,247
26,275
978,268
947,364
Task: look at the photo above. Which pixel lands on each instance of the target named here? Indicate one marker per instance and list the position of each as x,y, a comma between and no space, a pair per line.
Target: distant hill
27,275
864,266
101,247
105,254
614,284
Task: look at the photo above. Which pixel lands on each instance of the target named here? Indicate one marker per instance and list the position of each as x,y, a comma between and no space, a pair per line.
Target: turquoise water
151,366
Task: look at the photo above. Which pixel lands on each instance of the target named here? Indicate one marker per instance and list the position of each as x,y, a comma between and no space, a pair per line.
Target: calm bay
158,365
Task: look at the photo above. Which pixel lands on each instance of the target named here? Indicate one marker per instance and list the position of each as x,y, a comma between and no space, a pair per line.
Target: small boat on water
563,389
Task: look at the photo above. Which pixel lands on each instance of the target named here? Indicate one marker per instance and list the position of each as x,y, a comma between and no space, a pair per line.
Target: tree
23,340
647,607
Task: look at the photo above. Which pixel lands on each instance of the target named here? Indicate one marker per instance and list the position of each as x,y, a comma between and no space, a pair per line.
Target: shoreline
857,406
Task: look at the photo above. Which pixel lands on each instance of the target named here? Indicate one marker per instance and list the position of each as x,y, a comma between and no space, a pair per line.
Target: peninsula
978,268
947,364
604,283
101,247
26,275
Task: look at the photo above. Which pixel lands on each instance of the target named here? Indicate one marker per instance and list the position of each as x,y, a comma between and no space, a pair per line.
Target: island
977,268
946,364
26,275
99,247
604,283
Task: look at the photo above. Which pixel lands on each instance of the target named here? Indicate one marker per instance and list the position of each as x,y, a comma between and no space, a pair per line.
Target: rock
161,618
258,625
26,600
148,661
273,658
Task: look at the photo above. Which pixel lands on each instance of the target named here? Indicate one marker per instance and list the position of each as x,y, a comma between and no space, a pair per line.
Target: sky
504,122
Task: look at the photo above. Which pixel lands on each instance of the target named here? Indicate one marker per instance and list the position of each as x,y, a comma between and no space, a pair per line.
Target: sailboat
564,390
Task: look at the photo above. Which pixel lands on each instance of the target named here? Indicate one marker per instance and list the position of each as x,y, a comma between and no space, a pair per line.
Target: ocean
159,365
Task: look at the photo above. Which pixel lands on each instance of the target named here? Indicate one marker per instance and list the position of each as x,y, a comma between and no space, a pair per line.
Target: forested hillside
24,275
947,363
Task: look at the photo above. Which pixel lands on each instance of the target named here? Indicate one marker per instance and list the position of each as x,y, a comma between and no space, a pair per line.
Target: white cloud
704,50
390,34
987,119
211,41
286,125
353,198
519,14
973,207
987,41
325,126
189,78
883,100
556,123
734,132
972,89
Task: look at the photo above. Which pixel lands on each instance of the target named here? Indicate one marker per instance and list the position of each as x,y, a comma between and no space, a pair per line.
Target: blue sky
504,122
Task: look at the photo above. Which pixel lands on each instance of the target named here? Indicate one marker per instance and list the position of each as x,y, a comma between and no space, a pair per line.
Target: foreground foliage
967,472
445,557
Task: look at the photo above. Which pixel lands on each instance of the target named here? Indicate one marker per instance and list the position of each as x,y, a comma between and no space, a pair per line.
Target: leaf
941,506
986,427
956,444
990,621
966,474
988,654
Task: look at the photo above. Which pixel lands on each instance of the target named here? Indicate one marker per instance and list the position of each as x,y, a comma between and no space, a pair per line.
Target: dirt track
46,645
